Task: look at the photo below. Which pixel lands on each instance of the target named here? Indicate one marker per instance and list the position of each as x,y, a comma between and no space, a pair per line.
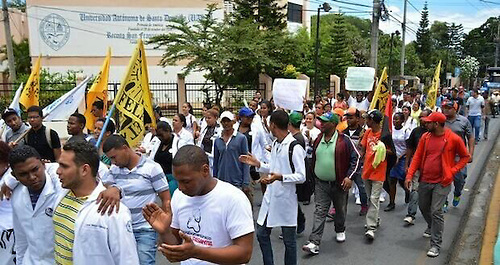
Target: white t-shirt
475,105
214,219
363,105
6,229
399,138
190,120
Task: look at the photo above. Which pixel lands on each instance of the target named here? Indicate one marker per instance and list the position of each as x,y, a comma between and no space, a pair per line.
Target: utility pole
403,47
316,58
8,41
497,50
374,34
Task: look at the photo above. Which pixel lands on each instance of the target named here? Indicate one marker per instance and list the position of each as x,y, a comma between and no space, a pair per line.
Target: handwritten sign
289,93
360,78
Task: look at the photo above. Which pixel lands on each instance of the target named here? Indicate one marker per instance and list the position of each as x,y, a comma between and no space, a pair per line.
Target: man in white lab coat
279,205
81,233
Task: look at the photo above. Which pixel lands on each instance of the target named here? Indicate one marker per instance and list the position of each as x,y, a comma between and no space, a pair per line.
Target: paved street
394,243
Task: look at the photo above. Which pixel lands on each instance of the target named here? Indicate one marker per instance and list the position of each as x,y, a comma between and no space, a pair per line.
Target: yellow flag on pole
432,94
382,92
98,91
134,99
31,91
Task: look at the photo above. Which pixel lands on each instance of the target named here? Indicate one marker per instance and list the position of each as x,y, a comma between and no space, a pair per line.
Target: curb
467,241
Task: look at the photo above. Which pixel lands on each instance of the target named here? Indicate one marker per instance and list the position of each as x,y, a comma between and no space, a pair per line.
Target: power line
414,7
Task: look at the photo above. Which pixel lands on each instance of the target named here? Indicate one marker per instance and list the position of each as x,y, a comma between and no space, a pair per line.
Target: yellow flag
432,94
134,99
98,91
31,91
382,92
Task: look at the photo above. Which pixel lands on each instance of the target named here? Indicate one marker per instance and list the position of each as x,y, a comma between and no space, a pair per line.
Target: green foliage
22,59
267,13
340,53
19,4
480,43
290,72
424,41
469,68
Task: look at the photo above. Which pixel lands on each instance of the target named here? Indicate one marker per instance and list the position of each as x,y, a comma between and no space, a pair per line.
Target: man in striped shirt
140,180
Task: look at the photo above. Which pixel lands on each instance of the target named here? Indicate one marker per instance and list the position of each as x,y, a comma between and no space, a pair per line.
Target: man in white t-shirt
209,221
475,105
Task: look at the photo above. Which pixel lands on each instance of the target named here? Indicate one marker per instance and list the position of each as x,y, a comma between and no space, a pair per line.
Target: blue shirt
227,166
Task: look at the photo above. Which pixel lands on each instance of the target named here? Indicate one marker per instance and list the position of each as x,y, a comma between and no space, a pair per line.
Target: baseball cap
8,112
295,118
246,112
435,117
449,103
228,115
352,111
329,117
375,115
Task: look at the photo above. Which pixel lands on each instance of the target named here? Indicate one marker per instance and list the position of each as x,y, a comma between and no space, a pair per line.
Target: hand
160,220
178,253
5,192
408,184
271,178
45,161
108,199
141,149
346,184
12,144
470,159
250,160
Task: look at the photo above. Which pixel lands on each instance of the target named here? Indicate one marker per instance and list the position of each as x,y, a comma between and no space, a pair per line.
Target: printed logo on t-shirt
194,221
194,229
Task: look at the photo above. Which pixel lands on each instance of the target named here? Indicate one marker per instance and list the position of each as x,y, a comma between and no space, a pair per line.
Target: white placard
88,31
360,78
289,93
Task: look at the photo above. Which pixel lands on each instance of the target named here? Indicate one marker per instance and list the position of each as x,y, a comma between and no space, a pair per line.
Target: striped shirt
140,186
64,227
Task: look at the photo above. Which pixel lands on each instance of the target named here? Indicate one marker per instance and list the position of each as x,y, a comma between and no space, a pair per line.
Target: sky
470,13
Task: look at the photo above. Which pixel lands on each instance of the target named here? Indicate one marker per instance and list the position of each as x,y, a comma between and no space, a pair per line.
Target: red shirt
432,171
370,139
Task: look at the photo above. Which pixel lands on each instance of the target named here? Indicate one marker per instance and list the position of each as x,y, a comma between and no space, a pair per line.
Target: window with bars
294,13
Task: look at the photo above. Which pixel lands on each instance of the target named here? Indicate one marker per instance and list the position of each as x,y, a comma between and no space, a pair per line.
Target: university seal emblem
54,30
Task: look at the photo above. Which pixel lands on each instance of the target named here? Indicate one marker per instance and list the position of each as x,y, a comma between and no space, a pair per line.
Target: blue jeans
146,245
475,121
459,181
289,239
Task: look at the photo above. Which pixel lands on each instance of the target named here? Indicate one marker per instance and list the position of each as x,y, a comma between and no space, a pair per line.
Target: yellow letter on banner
98,91
31,91
134,99
432,94
382,92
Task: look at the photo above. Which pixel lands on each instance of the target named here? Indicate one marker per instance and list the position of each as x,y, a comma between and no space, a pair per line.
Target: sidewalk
489,250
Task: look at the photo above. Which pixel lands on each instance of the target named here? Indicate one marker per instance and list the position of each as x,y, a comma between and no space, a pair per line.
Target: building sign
61,31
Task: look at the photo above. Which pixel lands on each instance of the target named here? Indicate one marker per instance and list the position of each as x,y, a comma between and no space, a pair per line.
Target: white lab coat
102,239
279,204
34,228
184,137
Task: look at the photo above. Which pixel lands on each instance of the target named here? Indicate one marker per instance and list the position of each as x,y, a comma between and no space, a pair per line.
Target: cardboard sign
289,93
360,78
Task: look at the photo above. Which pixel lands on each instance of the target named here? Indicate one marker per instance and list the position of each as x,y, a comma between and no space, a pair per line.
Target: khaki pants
373,190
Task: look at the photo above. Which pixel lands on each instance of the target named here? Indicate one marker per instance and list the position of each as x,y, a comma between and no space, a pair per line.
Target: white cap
227,114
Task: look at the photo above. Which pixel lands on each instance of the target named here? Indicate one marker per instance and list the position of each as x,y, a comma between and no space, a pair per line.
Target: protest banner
360,79
289,93
98,92
67,104
382,93
31,91
432,94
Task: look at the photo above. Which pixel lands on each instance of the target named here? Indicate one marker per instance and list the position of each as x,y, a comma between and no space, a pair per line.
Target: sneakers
390,207
433,252
364,210
370,234
427,233
456,201
445,207
311,248
409,220
340,237
382,197
358,201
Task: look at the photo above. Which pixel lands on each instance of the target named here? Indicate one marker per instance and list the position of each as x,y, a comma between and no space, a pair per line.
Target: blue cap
246,112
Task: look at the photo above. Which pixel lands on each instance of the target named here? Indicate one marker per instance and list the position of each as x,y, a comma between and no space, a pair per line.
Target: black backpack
306,189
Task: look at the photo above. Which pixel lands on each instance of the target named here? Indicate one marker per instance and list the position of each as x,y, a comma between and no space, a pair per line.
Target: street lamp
326,7
390,56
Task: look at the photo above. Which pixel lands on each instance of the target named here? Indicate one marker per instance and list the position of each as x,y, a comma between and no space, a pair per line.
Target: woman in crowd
182,136
408,121
397,174
208,134
341,103
191,124
265,112
319,109
161,153
415,112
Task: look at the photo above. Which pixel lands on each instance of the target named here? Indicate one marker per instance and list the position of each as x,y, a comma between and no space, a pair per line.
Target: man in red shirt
435,159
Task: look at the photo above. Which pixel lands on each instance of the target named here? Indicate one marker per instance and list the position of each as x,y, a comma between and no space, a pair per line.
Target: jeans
486,125
362,191
146,245
289,239
373,190
325,193
413,204
431,198
459,181
475,121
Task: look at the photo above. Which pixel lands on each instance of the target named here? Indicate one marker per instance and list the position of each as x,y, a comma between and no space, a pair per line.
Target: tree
480,43
340,56
469,69
22,59
19,4
424,44
267,13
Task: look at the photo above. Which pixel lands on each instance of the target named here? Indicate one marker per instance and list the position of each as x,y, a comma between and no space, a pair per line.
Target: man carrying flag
31,91
97,96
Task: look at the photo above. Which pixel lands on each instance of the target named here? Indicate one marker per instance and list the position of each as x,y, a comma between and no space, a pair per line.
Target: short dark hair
400,115
164,126
280,119
98,104
111,125
428,111
190,155
36,109
182,118
4,152
22,153
79,118
114,141
85,153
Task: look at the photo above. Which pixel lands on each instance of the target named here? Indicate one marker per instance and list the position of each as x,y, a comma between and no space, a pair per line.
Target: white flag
67,104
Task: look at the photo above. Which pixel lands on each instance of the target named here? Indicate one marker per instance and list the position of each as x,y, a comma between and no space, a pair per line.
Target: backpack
306,189
47,137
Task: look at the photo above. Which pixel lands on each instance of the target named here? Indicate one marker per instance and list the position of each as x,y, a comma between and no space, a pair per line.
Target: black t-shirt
38,140
164,158
415,136
248,136
207,139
